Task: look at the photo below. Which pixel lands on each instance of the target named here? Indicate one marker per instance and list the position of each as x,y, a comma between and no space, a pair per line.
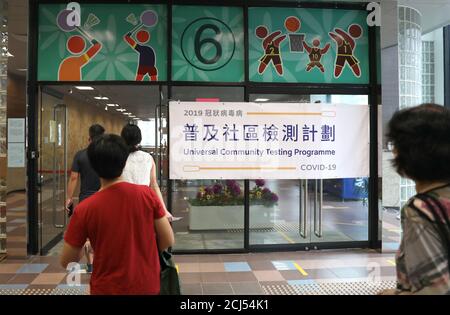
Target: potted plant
220,207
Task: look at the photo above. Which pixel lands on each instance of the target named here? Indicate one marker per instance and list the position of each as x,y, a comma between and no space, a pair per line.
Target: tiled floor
360,271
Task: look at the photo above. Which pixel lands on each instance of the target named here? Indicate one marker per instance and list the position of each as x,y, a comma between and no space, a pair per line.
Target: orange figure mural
70,68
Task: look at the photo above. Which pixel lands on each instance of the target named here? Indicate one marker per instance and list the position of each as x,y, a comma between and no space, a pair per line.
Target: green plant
231,194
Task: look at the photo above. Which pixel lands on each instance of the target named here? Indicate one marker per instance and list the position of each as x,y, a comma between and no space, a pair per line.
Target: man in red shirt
125,223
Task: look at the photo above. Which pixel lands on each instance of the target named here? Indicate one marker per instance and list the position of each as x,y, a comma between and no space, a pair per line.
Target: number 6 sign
208,44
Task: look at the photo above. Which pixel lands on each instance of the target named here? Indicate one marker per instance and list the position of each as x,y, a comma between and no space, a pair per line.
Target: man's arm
307,48
73,181
347,37
70,254
270,38
336,38
130,40
154,185
325,49
164,234
95,48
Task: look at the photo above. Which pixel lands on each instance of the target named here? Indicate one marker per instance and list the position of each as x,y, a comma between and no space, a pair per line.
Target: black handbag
170,283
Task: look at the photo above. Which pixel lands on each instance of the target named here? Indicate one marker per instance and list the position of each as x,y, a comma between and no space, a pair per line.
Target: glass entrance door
52,171
309,212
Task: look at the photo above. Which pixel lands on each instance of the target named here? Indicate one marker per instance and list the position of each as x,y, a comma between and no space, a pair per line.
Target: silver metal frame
57,176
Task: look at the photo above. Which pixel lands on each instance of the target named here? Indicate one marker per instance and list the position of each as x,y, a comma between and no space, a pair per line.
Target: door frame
373,89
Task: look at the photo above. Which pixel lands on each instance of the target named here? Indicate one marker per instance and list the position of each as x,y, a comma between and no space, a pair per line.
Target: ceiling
140,101
435,14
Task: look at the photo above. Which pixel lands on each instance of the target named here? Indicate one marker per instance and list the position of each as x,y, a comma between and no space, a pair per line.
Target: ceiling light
101,98
22,70
112,105
261,100
84,88
136,118
106,108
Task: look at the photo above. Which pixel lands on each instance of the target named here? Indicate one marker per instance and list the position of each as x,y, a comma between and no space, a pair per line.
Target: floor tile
217,289
9,268
67,286
268,275
49,278
192,289
234,258
209,277
292,275
4,277
186,258
54,269
320,274
187,278
24,278
241,276
355,272
284,265
247,288
236,266
211,267
188,267
301,282
209,258
261,265
13,286
32,268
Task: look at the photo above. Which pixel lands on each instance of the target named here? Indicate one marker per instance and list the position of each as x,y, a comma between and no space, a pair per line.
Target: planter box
229,217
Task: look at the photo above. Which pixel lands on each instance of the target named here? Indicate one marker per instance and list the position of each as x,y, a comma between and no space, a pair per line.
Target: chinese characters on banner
272,141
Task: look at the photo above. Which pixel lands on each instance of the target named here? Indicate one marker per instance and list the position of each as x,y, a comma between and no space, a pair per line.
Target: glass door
52,171
314,211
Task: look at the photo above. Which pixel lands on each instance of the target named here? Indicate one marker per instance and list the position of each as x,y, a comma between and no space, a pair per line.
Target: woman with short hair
421,142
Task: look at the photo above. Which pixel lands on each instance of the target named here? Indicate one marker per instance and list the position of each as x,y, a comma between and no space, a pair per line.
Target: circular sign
208,44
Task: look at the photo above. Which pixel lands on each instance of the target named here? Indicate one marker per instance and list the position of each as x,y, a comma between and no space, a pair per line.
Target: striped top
422,259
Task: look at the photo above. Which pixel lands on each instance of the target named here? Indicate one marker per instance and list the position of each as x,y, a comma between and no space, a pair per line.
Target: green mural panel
208,44
99,49
308,45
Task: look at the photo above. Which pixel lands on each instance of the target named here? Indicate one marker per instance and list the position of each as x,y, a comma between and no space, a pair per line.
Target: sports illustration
346,45
315,54
147,55
271,45
70,67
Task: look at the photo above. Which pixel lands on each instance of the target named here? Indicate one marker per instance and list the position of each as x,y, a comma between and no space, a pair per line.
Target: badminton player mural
147,56
70,68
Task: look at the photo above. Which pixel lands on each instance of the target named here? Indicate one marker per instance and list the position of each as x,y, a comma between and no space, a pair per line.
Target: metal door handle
57,177
304,208
318,202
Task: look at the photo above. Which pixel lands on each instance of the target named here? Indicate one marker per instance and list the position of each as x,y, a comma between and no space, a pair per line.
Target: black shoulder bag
170,284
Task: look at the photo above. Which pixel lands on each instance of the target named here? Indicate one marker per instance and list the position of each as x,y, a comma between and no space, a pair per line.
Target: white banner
268,140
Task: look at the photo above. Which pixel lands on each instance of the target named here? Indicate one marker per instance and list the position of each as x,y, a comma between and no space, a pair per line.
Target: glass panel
211,211
336,209
53,168
275,212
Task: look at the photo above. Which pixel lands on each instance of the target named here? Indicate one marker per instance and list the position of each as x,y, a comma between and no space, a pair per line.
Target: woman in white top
140,168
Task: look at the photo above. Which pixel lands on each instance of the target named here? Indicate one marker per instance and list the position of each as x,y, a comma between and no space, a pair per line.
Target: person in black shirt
90,182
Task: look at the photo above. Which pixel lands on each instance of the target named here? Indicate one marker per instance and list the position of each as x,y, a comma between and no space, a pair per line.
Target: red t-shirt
119,222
